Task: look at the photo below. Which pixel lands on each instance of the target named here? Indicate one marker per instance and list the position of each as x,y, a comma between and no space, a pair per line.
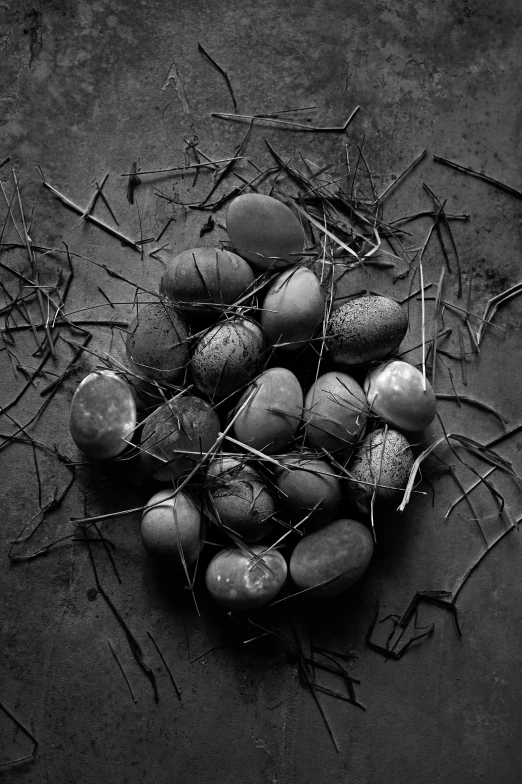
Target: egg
364,330
205,275
383,464
334,412
185,424
227,357
171,528
157,343
272,417
102,415
241,499
397,392
330,560
239,581
264,231
310,488
292,308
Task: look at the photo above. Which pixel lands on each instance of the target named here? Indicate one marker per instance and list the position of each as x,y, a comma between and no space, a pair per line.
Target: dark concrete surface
84,92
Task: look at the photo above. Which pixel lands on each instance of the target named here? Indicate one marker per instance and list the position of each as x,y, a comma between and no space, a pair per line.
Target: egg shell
264,231
228,356
184,423
384,459
273,416
395,391
309,482
157,343
335,412
102,414
238,582
205,275
364,330
292,308
340,552
243,503
171,526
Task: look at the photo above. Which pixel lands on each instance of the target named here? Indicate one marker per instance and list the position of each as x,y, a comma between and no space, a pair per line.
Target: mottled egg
398,393
364,330
334,412
332,558
310,488
157,343
228,356
176,436
102,415
271,418
292,308
205,275
382,464
264,231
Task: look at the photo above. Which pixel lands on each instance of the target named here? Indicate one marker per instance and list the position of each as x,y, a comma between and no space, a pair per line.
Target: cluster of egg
341,446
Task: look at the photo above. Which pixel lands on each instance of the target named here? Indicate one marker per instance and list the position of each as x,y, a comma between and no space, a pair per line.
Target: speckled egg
397,392
264,231
292,308
272,417
332,558
185,424
334,412
205,275
157,343
228,356
364,330
382,463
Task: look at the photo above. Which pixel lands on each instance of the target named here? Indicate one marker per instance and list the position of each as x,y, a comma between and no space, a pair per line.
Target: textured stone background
83,91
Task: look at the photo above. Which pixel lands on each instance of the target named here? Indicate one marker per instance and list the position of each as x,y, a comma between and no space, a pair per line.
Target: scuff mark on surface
173,76
32,30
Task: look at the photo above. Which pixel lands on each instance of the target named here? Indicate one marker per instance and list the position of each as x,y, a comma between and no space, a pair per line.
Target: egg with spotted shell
272,416
264,231
382,464
200,277
335,412
157,343
365,329
400,394
293,307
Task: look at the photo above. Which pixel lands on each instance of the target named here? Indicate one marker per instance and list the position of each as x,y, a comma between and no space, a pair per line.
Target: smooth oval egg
272,417
227,357
292,308
157,343
239,582
382,464
264,231
176,436
364,330
205,275
310,488
102,415
332,558
395,391
171,528
335,412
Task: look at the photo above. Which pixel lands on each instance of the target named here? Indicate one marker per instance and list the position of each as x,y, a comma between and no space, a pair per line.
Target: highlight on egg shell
293,307
264,231
176,436
365,329
171,528
239,581
205,275
227,357
330,560
271,418
381,466
335,412
157,343
400,394
310,488
102,415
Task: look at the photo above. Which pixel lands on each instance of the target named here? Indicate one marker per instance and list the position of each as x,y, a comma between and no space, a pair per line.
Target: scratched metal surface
85,91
